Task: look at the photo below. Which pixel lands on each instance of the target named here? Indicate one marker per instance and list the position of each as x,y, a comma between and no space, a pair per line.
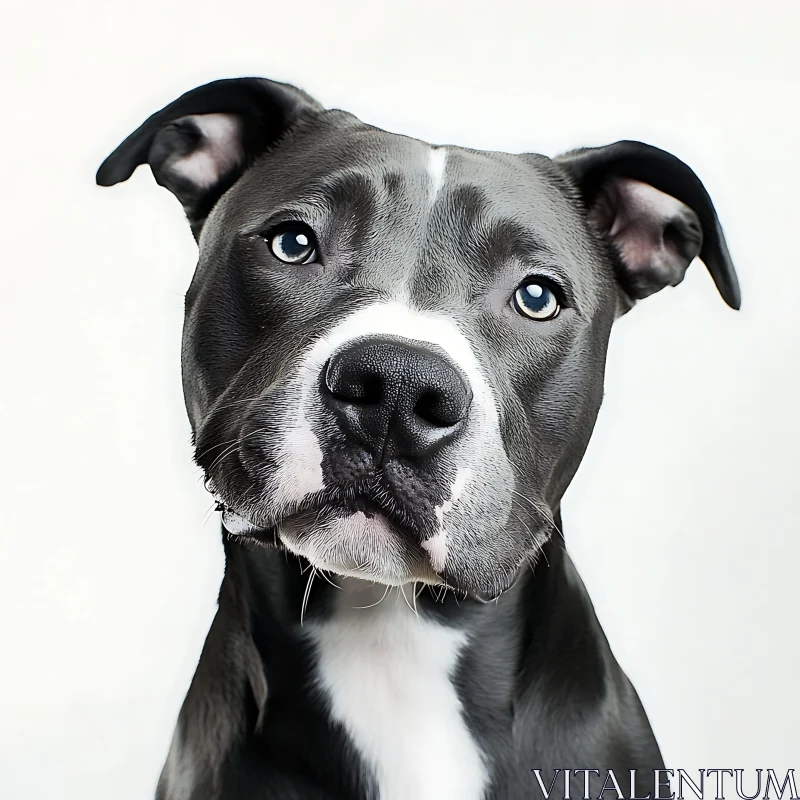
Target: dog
393,359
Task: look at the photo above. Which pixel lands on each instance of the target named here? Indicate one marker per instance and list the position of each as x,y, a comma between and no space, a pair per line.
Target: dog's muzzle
395,399
387,463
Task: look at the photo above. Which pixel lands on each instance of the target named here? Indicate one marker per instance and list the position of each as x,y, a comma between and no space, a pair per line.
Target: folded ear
199,145
655,212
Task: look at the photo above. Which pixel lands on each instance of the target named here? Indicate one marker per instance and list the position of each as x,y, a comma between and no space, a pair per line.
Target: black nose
396,397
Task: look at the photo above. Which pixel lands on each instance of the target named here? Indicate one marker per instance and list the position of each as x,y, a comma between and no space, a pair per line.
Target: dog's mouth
358,530
363,529
372,498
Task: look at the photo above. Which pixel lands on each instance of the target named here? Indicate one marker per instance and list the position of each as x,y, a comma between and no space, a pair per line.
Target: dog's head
394,352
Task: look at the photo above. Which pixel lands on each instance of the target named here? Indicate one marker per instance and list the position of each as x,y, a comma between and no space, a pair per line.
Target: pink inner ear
656,235
219,151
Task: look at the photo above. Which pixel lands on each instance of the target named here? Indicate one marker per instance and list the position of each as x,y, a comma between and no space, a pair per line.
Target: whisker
207,516
232,403
305,569
372,605
215,446
413,608
548,517
236,446
307,594
324,575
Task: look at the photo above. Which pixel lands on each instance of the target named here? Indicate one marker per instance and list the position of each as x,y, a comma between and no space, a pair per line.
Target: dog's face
393,352
405,347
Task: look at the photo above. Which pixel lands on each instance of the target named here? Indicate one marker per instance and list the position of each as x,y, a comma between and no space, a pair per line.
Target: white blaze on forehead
437,160
437,545
388,677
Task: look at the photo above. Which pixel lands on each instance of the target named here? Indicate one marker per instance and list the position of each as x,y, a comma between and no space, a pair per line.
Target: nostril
353,385
366,389
438,409
371,389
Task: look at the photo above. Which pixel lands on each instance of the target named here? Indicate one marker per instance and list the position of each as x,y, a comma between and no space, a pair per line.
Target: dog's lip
239,524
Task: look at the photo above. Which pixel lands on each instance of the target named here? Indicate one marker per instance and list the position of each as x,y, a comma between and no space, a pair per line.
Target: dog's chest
387,676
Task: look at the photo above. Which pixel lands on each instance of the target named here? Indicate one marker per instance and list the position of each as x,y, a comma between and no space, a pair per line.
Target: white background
683,518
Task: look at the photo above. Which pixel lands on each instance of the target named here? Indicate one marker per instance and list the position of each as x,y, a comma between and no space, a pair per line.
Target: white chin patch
358,546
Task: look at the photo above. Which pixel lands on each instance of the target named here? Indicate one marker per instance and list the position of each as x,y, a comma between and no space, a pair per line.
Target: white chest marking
436,165
387,674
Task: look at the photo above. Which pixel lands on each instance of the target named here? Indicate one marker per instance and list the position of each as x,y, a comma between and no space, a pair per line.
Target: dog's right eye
536,299
293,243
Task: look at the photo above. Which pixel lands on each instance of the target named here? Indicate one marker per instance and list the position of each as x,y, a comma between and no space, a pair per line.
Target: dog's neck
311,675
290,608
411,674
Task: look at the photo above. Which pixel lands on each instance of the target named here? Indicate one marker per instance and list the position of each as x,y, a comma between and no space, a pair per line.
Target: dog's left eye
293,244
536,300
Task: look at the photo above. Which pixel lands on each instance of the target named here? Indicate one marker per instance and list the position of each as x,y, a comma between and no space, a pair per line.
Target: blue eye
294,245
536,300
